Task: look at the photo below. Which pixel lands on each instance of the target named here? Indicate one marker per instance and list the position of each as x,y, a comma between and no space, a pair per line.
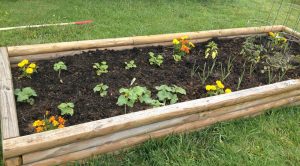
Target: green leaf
180,90
164,95
122,100
174,99
66,108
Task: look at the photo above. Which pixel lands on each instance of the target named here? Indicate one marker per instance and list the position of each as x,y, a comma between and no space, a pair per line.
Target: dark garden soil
80,79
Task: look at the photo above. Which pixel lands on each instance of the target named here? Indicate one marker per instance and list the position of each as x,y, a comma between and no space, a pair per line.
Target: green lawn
270,139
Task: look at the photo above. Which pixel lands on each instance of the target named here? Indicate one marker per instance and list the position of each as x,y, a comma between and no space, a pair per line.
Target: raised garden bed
97,125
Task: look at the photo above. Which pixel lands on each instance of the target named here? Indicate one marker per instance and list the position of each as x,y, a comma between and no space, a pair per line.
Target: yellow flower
208,87
220,84
29,70
272,34
32,65
213,87
175,41
52,119
38,123
55,123
21,64
227,90
191,44
61,126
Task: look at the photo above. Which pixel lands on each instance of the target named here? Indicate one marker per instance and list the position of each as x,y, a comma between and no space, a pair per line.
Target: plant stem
60,80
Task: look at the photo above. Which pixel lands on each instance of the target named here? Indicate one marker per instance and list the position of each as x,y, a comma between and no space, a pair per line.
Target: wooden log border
81,141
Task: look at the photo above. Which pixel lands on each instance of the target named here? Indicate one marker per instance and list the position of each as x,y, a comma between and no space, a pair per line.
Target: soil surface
80,79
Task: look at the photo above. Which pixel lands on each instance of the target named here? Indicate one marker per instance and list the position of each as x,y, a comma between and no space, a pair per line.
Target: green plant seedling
25,95
102,89
177,58
59,66
211,50
66,108
167,93
155,60
101,68
130,65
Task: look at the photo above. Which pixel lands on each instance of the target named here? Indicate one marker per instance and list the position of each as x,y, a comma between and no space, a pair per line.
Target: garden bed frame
107,135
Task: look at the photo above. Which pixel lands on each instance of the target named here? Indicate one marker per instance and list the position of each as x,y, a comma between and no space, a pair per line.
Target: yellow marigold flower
52,118
39,129
38,123
208,87
191,44
29,70
55,123
271,34
175,41
60,126
21,64
227,90
213,87
220,84
32,65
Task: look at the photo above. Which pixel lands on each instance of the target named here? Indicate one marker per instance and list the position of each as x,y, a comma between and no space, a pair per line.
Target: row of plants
269,58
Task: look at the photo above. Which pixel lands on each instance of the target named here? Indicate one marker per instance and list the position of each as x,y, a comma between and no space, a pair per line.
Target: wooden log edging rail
138,40
128,142
42,141
97,141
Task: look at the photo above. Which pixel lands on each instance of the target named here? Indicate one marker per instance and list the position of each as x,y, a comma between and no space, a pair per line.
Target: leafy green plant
206,72
59,66
129,96
177,58
155,60
102,89
101,68
167,93
211,50
25,95
66,108
277,42
130,65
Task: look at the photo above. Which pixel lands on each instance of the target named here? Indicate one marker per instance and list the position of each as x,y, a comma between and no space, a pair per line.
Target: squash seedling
101,68
59,66
130,65
155,60
101,88
66,108
167,93
25,95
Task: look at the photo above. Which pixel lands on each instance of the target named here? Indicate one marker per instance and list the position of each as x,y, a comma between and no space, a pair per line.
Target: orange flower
39,129
184,42
52,118
185,49
60,126
61,120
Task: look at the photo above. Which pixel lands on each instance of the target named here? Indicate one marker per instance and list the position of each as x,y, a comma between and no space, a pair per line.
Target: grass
270,139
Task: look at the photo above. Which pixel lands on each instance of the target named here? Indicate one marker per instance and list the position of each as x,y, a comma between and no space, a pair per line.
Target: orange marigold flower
185,49
39,129
52,118
55,123
61,120
60,126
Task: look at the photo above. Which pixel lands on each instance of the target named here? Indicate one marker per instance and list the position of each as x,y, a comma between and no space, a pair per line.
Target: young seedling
129,96
130,65
25,95
102,89
240,79
59,66
177,58
155,60
101,68
225,72
66,108
167,93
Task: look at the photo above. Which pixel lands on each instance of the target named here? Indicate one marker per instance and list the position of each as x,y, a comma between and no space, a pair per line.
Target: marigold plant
27,68
182,47
217,89
48,123
277,40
